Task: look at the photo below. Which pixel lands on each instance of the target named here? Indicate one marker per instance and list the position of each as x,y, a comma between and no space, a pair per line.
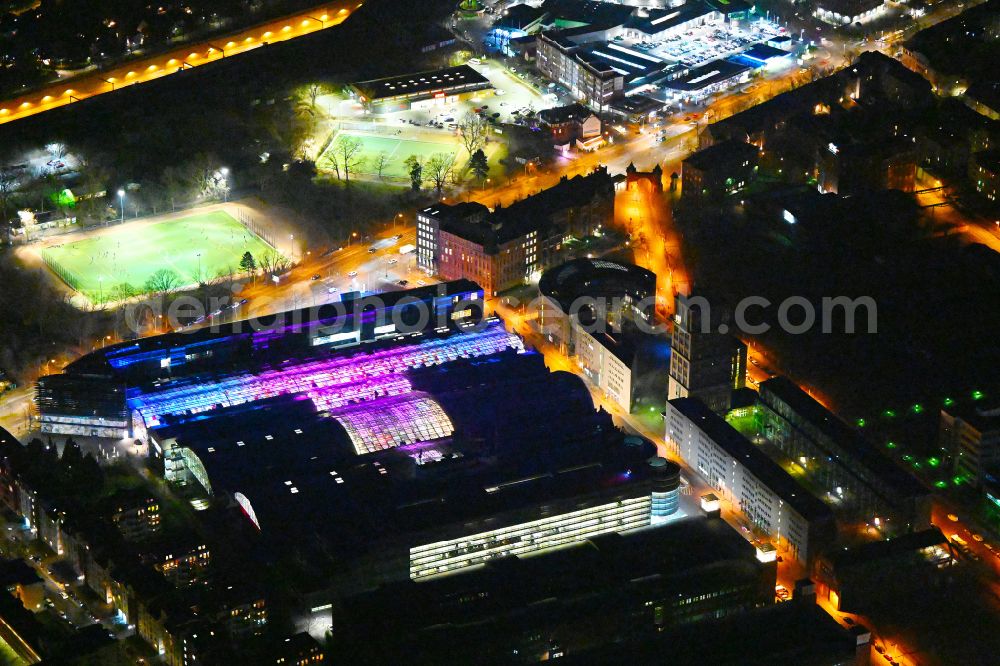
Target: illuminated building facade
186,374
422,89
606,590
840,460
720,170
745,476
705,362
502,248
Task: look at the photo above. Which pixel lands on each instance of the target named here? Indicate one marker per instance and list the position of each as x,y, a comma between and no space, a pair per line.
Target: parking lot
710,42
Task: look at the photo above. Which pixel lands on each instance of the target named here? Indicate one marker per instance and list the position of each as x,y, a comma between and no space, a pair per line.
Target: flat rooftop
420,83
903,484
756,461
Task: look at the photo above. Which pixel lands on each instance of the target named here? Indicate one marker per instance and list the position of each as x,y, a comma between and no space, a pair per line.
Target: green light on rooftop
891,445
958,480
933,462
889,413
861,423
977,395
917,408
940,484
907,457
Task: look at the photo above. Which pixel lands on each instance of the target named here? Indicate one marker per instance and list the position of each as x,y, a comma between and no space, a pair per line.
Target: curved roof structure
596,278
393,421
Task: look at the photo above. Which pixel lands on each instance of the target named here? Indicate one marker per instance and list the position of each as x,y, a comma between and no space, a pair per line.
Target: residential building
719,170
984,173
571,125
744,475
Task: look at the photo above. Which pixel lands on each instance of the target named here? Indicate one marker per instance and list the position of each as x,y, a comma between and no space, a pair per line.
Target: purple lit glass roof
330,383
393,421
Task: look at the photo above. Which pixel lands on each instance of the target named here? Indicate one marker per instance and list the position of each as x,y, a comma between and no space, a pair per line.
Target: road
148,68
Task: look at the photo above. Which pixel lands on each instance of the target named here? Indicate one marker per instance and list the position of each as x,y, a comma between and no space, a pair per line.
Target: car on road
397,237
372,250
392,261
331,289
421,283
315,277
352,274
403,283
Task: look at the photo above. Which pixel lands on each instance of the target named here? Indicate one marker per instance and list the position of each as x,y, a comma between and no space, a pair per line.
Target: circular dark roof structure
596,278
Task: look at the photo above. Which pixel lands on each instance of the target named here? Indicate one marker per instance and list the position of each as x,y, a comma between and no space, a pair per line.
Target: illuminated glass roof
390,422
330,383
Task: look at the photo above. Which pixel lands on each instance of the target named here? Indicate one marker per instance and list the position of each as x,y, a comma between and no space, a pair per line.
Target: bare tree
381,162
438,168
472,130
162,281
8,185
348,151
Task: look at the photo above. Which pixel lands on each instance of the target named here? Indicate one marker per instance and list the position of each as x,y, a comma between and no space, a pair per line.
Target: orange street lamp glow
4,112
25,105
68,92
324,17
305,23
130,74
47,98
286,28
248,40
192,55
268,33
172,61
228,44
151,68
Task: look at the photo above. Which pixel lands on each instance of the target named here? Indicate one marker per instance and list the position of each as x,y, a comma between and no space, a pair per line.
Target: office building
742,474
705,362
856,476
502,248
851,578
615,589
971,436
602,313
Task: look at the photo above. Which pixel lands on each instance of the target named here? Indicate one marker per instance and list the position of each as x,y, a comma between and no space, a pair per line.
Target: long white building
745,476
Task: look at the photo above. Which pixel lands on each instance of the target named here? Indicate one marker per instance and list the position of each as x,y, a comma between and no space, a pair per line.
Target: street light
121,200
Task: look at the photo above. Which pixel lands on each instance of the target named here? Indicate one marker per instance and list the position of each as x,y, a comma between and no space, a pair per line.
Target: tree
439,168
416,171
479,165
162,281
8,185
472,130
247,263
122,292
380,163
348,151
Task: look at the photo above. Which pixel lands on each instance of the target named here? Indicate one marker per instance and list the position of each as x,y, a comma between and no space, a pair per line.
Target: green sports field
396,148
131,253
